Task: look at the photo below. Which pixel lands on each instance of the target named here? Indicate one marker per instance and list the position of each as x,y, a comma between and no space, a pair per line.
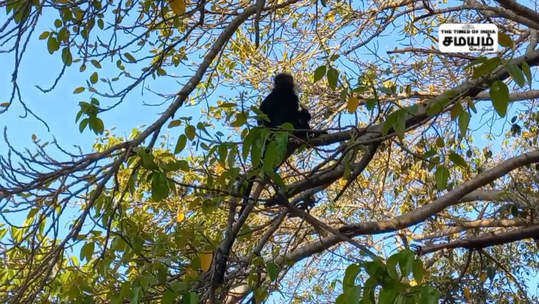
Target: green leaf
387,295
87,251
319,73
418,271
341,299
147,160
464,120
63,35
94,77
504,40
390,121
174,123
456,110
169,297
406,259
96,125
441,176
160,188
488,66
438,105
350,275
83,124
66,56
96,63
273,270
527,72
500,97
130,57
135,296
333,77
78,90
182,140
260,294
281,138
44,35
190,297
428,295
52,45
222,151
458,160
241,118
391,266
257,148
271,157
516,74
190,132
248,142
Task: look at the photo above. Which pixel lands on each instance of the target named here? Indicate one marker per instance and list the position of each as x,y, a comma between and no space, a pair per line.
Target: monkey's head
283,81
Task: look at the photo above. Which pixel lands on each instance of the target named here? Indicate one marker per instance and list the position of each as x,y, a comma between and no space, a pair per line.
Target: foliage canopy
425,186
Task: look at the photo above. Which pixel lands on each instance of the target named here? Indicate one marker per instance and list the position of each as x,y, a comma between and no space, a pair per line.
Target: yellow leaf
180,216
353,103
190,273
466,293
177,6
205,261
4,104
483,277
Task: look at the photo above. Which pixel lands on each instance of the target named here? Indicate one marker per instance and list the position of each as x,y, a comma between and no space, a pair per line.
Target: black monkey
282,106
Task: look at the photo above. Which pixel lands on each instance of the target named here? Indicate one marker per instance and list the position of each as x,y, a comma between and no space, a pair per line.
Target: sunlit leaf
79,90
352,104
44,35
177,6
94,77
96,63
205,261
180,216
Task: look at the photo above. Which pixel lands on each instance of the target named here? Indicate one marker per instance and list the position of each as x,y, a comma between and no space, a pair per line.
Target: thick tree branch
461,226
450,198
519,9
486,240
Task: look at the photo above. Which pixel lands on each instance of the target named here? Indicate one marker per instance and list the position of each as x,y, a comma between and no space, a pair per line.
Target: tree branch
486,240
450,198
